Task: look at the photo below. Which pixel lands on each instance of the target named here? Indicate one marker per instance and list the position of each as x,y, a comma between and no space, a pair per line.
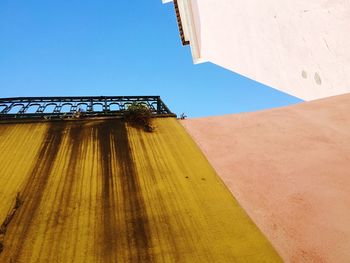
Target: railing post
105,105
158,105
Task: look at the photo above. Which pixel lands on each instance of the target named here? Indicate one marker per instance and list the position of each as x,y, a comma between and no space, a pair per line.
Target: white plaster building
296,46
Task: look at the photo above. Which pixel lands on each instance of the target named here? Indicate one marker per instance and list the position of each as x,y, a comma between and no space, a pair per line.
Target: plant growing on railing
140,115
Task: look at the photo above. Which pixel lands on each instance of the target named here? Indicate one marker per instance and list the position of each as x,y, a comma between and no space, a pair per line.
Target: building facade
92,186
298,47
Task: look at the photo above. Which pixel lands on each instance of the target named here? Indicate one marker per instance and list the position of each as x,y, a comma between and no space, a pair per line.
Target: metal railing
68,107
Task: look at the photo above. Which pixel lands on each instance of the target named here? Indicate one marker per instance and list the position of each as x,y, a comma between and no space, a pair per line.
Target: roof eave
184,14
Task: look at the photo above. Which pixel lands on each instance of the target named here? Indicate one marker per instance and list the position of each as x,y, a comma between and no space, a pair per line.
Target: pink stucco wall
290,170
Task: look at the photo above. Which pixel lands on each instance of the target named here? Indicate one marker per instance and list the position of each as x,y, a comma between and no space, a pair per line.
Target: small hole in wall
304,74
318,79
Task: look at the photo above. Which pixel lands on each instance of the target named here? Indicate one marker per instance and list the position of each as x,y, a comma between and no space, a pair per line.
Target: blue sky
110,47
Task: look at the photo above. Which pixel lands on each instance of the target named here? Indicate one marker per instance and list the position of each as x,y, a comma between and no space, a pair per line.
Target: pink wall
290,170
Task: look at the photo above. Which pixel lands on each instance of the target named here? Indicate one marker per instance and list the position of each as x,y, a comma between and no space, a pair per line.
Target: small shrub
78,114
183,116
140,115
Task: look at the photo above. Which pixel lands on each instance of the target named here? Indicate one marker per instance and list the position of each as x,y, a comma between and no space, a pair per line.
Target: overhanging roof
185,19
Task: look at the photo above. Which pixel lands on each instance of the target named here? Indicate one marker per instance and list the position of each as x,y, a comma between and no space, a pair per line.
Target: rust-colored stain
103,191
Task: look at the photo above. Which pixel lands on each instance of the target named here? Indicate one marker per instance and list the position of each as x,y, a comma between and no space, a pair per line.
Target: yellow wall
102,191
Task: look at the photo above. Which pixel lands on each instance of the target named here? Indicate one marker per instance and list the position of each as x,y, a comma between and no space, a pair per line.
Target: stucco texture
104,191
289,168
298,47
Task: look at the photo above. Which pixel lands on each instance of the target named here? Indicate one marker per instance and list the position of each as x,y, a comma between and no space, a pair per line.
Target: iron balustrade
67,107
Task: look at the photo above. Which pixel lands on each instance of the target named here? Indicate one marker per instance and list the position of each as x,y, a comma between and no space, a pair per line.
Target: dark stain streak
64,203
132,193
33,190
113,135
74,143
7,221
109,221
10,216
164,217
3,129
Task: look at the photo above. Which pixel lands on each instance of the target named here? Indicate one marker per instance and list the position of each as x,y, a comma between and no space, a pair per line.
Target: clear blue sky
109,47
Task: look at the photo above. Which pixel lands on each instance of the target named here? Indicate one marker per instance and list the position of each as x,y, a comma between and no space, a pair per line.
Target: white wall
296,46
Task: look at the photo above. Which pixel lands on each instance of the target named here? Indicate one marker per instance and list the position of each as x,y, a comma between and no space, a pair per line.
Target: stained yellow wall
103,191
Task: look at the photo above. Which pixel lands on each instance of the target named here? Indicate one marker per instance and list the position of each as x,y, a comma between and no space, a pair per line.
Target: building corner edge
188,27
